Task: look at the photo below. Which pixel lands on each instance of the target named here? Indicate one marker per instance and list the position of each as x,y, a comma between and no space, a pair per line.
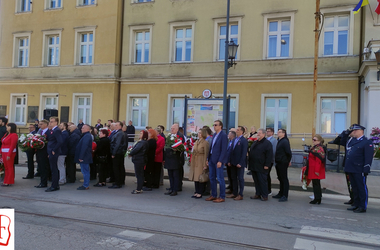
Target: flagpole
316,51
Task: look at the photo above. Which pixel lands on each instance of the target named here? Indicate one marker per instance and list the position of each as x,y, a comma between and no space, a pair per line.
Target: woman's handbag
203,177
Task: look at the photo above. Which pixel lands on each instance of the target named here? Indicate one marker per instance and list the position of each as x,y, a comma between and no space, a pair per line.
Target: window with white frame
276,113
139,111
142,46
333,115
142,1
19,109
278,38
23,5
336,35
53,4
23,52
86,2
86,48
82,108
183,44
177,111
222,34
51,102
53,46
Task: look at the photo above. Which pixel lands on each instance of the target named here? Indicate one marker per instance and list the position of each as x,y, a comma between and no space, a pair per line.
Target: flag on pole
361,4
377,10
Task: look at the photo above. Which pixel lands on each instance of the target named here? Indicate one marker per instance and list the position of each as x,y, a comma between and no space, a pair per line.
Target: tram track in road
187,236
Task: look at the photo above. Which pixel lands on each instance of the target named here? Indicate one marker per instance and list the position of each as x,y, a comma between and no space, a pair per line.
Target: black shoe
70,182
352,208
51,189
360,210
114,186
41,186
168,189
99,185
173,194
180,190
277,196
168,193
207,193
350,202
28,177
146,189
37,175
249,172
283,199
315,201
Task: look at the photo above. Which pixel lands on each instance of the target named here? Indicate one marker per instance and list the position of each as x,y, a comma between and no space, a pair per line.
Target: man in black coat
54,136
260,159
42,156
30,156
71,169
117,154
131,133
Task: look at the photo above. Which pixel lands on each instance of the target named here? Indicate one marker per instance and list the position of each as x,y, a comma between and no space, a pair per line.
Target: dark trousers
360,190
148,174
43,165
139,173
349,188
102,170
174,179
93,171
282,175
110,173
156,174
230,180
199,187
30,157
270,179
53,160
237,179
118,169
317,189
261,183
181,173
71,169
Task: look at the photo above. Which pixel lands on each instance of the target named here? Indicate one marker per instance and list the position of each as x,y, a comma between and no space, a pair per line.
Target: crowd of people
100,152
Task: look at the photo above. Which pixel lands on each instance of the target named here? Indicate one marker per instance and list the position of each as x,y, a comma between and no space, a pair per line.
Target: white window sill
21,66
335,55
182,62
53,9
23,12
87,64
51,66
85,6
278,58
133,3
140,63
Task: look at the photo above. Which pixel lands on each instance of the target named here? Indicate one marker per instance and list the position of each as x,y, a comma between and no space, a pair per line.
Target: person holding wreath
316,167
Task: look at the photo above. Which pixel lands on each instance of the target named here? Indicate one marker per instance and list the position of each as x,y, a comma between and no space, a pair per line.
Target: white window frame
132,48
45,46
12,108
144,1
130,108
74,112
222,21
263,109
47,5
18,7
80,3
16,38
172,48
169,112
268,17
332,95
336,11
43,97
77,51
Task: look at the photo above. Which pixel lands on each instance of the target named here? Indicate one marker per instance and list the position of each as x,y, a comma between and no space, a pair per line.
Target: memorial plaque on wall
3,110
32,113
64,114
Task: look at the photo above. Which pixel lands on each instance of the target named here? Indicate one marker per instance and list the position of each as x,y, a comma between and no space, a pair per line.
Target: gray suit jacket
274,145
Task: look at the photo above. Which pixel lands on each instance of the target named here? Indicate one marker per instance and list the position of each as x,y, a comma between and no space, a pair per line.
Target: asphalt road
101,218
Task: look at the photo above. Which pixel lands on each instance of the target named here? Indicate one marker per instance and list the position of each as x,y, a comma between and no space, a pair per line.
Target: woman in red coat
316,168
8,152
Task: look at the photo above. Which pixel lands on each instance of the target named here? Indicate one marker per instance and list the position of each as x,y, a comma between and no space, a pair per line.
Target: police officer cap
357,127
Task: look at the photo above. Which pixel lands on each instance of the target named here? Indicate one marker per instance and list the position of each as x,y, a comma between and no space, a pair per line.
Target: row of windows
333,110
279,39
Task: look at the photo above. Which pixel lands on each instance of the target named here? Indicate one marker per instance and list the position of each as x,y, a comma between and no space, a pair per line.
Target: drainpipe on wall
362,21
120,62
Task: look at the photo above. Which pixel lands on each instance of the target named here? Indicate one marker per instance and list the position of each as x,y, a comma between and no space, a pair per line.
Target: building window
278,38
276,113
23,5
23,52
234,34
138,110
86,48
86,2
18,104
48,101
177,111
53,50
3,110
333,115
82,107
336,35
183,44
142,47
53,4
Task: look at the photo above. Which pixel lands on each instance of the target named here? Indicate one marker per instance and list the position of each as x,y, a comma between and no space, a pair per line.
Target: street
100,218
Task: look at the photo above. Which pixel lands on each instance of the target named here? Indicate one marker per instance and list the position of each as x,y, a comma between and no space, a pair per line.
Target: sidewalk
335,183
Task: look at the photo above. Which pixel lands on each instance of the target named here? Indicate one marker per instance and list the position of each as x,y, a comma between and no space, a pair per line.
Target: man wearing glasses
216,160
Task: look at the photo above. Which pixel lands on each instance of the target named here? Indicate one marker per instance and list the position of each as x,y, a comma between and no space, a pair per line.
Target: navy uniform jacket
238,155
359,154
54,138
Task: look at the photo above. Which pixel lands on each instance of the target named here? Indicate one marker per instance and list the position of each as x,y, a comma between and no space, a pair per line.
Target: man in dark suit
216,160
131,133
73,142
238,162
99,125
358,164
80,124
42,156
54,137
231,139
117,154
83,155
30,155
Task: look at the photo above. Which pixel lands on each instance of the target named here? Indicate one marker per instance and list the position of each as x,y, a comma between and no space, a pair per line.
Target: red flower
175,140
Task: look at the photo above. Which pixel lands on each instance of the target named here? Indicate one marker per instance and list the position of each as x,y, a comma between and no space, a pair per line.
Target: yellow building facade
175,48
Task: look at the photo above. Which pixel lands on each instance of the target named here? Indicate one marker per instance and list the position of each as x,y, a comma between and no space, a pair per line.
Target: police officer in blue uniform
358,162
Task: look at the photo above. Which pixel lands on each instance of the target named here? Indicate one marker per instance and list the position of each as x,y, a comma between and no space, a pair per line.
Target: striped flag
175,145
361,4
377,10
